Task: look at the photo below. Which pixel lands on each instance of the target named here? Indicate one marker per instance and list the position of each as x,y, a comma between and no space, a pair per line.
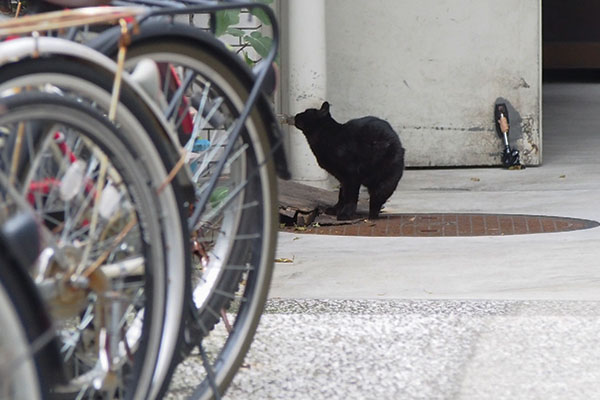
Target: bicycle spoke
95,213
178,96
210,156
245,268
198,118
16,153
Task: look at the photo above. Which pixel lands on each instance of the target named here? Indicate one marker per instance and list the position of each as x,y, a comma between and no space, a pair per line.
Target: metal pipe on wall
307,81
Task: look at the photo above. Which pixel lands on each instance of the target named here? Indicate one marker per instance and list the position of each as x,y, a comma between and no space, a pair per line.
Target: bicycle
258,282
132,176
163,45
199,57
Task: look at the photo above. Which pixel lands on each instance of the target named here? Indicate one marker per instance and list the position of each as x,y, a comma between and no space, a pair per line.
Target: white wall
434,68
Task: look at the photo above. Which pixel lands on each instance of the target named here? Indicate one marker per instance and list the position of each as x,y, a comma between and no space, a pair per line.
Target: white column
306,81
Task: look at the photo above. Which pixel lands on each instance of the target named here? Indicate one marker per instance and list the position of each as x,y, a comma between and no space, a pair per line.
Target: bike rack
67,19
95,15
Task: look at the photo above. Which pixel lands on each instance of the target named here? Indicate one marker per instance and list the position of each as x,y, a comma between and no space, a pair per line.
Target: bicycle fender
107,43
29,47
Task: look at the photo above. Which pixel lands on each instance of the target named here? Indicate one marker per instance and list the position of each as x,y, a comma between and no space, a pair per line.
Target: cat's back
371,128
365,122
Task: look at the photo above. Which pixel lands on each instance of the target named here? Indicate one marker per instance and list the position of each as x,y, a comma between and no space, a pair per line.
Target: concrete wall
433,69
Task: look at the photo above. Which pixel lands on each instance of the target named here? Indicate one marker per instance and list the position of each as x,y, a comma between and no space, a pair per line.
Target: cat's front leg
334,209
349,200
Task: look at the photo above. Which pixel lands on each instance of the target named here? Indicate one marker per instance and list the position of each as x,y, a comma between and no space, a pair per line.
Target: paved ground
514,317
540,266
351,349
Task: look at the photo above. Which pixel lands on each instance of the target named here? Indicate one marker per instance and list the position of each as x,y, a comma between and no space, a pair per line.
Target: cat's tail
400,160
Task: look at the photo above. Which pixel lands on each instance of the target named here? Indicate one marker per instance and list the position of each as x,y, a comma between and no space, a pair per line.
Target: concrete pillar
306,81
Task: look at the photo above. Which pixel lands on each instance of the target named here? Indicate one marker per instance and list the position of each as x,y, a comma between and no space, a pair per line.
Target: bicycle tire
260,221
93,85
135,349
28,351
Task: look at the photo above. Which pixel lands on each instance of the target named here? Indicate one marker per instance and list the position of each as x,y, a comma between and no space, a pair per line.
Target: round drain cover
449,225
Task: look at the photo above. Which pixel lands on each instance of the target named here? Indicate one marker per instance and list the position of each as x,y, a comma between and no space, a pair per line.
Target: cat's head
312,118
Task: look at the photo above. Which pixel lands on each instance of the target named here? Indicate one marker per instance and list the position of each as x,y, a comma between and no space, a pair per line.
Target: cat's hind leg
379,193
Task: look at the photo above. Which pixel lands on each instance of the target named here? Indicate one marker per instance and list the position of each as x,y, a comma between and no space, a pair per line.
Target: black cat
363,151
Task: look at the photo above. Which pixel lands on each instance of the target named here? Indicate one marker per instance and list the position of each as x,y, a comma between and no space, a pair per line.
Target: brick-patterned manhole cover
449,225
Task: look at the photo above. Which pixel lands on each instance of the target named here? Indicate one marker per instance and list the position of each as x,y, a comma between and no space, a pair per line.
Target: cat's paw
345,217
373,215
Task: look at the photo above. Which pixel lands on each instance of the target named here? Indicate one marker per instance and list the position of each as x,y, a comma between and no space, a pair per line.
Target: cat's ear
324,108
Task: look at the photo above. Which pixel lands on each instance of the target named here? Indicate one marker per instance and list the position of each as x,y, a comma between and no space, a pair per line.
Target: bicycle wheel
91,85
102,270
28,352
24,379
234,238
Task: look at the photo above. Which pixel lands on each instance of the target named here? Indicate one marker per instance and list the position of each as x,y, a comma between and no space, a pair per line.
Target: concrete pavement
538,266
512,317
